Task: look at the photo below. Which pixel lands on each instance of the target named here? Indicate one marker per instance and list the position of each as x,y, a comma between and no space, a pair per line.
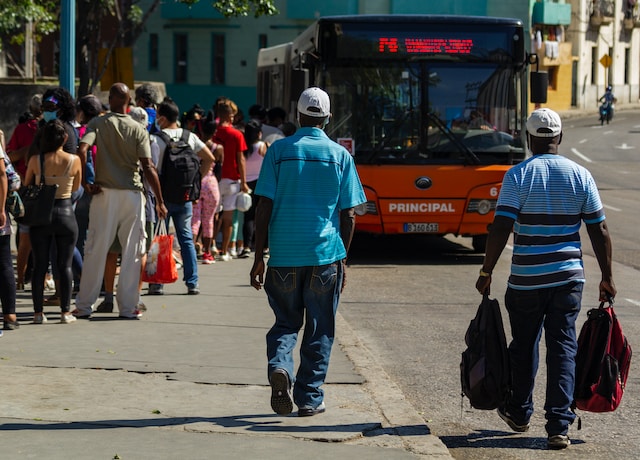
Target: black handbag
38,201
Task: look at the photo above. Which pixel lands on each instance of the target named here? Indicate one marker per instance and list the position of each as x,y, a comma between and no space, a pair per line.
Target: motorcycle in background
606,112
606,109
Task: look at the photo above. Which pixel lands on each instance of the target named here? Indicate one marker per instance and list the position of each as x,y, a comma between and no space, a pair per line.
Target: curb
399,416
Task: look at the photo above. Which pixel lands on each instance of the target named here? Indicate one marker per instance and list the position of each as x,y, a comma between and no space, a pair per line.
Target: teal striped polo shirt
548,196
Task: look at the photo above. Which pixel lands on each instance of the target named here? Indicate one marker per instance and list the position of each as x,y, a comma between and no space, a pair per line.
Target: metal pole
29,69
68,46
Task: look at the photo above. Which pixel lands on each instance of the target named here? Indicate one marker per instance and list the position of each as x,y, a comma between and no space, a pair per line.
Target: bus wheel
479,242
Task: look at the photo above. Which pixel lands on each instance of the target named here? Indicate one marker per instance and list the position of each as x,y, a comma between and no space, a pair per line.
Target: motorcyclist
608,101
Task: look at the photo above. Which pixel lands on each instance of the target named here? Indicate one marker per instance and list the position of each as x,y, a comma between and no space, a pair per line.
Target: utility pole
68,46
29,69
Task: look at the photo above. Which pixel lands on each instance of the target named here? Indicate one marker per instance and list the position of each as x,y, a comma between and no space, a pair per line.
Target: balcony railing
553,53
631,16
602,12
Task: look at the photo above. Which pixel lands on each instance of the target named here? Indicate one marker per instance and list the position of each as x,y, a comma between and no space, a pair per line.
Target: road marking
608,132
624,146
578,154
634,302
583,141
611,208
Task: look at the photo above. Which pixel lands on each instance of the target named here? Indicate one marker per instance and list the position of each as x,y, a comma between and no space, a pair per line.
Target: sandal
11,325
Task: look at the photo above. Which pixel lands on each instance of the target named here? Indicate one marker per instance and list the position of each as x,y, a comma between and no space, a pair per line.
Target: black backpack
485,372
180,177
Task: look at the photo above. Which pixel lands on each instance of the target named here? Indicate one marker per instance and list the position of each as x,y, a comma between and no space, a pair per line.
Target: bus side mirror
539,83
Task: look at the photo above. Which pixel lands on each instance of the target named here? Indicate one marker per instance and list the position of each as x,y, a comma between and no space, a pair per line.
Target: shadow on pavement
497,439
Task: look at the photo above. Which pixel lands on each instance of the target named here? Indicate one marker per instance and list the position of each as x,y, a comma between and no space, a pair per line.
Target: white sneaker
225,257
49,284
233,253
40,319
66,318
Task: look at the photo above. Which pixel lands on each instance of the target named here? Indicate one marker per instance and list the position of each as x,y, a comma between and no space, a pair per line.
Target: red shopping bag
161,267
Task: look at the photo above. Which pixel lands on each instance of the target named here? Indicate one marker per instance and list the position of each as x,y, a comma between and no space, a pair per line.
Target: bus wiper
461,145
396,129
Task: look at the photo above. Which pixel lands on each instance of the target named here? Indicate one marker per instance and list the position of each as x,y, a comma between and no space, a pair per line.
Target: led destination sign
360,41
425,45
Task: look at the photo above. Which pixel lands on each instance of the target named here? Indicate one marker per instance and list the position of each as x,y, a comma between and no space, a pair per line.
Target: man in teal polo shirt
308,188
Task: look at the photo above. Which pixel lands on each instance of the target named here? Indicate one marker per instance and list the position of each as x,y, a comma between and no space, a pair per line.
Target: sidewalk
593,113
189,381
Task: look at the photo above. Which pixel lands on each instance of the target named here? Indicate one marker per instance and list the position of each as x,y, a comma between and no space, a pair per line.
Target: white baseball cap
314,102
544,123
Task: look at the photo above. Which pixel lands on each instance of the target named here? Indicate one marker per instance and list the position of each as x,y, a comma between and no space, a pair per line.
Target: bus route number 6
493,191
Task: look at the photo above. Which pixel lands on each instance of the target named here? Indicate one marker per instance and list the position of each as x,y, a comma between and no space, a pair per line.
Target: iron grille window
218,59
181,58
153,52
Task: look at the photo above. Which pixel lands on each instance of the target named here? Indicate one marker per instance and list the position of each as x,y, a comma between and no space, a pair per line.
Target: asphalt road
411,299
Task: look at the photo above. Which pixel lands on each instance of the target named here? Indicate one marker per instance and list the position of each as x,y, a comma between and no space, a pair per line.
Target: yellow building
554,52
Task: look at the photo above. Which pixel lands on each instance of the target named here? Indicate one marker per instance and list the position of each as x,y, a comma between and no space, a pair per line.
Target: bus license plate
420,228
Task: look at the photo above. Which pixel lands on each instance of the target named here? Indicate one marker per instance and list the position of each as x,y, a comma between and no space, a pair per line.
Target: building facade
601,28
200,55
549,23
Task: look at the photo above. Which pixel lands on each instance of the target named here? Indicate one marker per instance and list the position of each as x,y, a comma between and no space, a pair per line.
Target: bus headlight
482,207
366,208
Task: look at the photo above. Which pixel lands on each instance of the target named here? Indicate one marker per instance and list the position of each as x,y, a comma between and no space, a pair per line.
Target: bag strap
42,169
161,228
611,314
186,134
164,136
167,144
610,300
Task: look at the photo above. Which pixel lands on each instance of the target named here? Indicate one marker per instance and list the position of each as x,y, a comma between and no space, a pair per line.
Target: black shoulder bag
38,201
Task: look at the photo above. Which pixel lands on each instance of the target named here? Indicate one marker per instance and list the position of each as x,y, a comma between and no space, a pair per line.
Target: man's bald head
119,97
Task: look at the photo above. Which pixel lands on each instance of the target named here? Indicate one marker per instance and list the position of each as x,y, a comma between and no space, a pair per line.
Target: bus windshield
427,112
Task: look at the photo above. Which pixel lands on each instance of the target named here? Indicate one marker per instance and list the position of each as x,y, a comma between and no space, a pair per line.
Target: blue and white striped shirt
548,196
310,179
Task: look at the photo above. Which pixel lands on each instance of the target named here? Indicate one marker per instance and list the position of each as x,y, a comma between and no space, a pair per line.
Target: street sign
606,61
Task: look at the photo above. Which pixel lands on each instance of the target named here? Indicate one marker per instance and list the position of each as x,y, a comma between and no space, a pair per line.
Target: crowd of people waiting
106,159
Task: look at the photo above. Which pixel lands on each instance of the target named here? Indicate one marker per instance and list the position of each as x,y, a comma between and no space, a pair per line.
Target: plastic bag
161,266
243,202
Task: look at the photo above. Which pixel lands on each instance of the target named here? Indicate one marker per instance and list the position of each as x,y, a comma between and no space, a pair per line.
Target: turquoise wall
470,8
315,8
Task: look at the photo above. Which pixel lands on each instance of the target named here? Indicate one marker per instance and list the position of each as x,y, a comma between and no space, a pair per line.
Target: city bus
432,108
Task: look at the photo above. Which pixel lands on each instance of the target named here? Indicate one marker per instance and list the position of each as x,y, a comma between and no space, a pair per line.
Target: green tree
25,22
131,21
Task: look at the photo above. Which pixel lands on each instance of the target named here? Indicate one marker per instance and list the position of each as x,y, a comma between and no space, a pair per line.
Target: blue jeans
181,214
556,309
309,296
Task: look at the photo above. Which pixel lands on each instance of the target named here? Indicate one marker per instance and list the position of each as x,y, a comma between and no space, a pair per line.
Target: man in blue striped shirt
544,200
308,188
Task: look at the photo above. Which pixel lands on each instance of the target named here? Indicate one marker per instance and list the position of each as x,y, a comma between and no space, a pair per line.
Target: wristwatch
484,274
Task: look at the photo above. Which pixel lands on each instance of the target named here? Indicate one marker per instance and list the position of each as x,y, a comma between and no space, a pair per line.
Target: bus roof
274,55
423,18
